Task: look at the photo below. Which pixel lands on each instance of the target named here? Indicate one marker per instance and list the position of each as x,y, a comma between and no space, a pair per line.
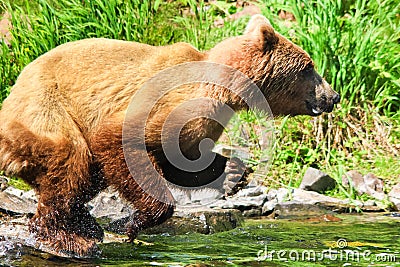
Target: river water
356,240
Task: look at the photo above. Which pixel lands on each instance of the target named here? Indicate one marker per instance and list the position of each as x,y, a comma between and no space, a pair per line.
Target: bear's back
87,81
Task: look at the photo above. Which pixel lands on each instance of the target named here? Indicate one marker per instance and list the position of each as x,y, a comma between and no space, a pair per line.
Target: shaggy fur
61,126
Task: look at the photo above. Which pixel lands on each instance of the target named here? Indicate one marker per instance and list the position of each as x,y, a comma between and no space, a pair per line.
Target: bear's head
283,71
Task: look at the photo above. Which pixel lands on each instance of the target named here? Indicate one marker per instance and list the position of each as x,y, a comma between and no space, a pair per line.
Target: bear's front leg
147,193
226,175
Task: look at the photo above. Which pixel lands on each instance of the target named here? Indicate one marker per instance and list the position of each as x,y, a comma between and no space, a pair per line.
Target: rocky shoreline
306,202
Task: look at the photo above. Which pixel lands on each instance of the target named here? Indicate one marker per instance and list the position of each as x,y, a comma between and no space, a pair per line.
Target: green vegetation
355,46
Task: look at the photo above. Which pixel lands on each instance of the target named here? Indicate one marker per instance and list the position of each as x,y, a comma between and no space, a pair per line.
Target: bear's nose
336,99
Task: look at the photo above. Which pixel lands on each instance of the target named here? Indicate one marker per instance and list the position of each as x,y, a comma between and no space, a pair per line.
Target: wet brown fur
61,126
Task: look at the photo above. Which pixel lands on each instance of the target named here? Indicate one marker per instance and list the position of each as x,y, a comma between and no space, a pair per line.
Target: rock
268,207
368,184
274,197
296,210
252,191
204,221
15,201
3,183
111,211
280,195
254,212
306,198
248,10
394,196
16,240
249,200
240,203
197,197
324,218
355,179
310,197
369,202
374,186
316,180
373,182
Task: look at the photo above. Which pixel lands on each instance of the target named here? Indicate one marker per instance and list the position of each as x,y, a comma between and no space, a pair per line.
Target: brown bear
61,125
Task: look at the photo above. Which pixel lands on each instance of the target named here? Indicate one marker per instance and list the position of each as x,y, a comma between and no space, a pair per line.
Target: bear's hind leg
62,220
64,180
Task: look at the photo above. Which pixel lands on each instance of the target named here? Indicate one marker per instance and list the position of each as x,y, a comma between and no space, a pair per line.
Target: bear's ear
260,27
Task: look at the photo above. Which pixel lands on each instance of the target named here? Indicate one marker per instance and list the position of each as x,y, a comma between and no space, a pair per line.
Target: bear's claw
236,176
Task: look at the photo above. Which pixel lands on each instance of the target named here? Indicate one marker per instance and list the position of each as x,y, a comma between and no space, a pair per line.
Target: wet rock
316,180
3,183
368,184
111,211
17,241
15,201
249,200
373,206
324,218
295,210
254,212
204,221
240,203
394,196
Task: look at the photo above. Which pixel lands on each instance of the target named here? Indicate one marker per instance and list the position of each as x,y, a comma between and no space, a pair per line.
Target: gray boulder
15,201
368,184
200,220
316,180
394,196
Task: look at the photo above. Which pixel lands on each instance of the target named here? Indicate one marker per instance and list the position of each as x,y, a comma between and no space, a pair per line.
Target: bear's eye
308,69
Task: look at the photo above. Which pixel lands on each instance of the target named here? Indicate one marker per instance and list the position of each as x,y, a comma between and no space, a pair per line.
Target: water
357,240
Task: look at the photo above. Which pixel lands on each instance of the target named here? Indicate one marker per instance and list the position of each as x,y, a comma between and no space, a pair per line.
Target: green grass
355,46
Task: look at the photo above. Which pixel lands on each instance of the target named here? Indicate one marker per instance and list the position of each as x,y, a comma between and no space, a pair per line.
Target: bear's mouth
316,110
